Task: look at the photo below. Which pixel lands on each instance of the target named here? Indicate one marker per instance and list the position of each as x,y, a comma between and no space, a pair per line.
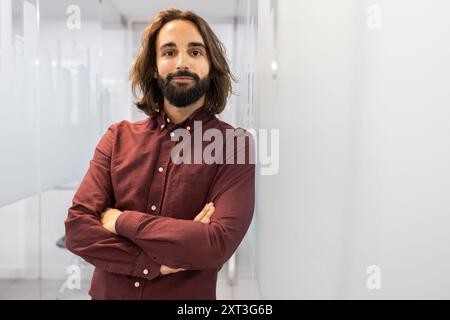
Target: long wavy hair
145,86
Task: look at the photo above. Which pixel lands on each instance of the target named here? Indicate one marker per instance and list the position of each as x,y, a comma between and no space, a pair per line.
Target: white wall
364,154
402,152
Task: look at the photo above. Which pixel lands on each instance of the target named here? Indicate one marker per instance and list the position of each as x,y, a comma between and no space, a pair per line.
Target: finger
208,215
162,269
206,220
199,216
176,270
104,212
202,213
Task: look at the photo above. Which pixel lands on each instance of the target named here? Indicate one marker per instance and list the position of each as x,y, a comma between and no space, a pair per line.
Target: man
155,228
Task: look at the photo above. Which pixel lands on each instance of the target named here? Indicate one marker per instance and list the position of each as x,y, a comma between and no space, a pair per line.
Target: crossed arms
144,245
109,217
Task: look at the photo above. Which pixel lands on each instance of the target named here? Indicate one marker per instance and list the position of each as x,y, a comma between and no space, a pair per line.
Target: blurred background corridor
354,200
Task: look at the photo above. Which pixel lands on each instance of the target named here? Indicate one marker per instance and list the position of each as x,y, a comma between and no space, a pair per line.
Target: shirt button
189,128
168,120
153,208
160,169
137,284
172,134
145,271
162,126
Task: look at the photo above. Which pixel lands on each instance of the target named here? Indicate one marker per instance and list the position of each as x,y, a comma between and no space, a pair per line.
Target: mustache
182,73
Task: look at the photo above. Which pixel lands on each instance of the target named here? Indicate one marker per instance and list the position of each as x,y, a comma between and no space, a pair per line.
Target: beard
182,95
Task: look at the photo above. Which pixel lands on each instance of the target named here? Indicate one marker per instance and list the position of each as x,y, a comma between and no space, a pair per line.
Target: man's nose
183,62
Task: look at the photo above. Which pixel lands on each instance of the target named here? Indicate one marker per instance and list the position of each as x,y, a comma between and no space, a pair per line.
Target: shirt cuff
126,226
127,223
146,267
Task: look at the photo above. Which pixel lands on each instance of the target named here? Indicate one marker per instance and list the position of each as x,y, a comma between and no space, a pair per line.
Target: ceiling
144,10
214,11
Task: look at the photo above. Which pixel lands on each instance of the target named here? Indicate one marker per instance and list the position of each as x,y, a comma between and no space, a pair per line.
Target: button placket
158,185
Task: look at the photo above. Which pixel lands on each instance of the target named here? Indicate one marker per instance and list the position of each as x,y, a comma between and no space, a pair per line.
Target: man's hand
108,219
165,270
204,217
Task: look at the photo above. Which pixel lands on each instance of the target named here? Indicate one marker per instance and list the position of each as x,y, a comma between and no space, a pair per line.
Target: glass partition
63,76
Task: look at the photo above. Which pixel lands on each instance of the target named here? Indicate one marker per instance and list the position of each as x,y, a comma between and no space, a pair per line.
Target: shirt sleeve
193,245
85,235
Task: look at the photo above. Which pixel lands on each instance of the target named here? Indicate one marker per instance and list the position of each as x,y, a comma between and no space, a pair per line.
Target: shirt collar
161,119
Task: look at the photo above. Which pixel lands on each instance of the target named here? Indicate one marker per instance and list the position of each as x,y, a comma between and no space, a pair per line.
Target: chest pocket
186,192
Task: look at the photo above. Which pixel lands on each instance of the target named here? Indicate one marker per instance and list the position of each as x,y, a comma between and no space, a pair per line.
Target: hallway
347,103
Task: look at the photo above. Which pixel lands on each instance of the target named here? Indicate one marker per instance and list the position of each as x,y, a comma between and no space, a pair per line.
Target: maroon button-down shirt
132,170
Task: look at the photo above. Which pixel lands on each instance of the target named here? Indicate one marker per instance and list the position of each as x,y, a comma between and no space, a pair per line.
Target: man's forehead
179,33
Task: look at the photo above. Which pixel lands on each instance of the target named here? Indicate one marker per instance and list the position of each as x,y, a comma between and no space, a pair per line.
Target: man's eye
196,52
168,53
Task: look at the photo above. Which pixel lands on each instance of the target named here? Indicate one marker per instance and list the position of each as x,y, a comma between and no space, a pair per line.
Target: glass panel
19,144
52,105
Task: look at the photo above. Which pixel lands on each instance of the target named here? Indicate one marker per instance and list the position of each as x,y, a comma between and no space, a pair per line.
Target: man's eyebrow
168,45
196,44
191,44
